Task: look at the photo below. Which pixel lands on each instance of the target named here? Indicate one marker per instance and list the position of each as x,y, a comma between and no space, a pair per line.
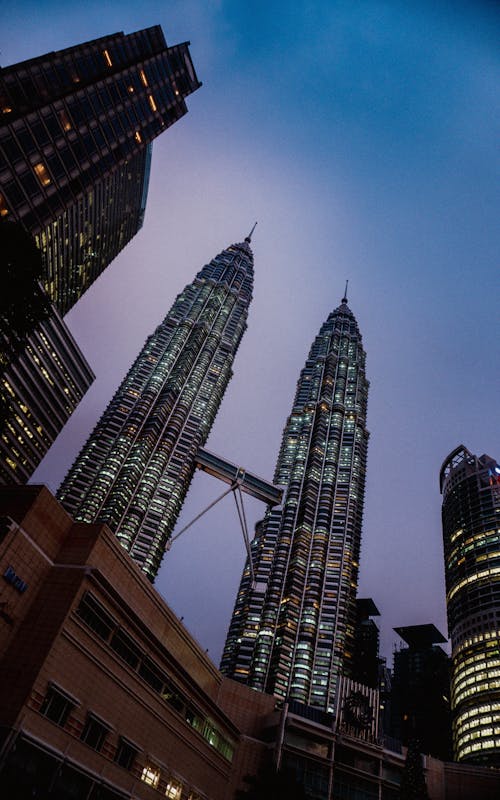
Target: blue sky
362,136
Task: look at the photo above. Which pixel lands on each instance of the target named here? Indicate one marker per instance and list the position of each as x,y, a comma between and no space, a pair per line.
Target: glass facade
40,390
75,133
292,630
135,469
470,486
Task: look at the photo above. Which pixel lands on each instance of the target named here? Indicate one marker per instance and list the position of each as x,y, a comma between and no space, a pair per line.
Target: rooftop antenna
344,299
249,237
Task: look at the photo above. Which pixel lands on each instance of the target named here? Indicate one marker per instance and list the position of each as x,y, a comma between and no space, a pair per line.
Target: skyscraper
420,700
75,133
43,374
135,469
470,486
292,630
75,153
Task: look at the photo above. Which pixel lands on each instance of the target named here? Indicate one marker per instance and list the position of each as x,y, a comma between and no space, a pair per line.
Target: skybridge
240,481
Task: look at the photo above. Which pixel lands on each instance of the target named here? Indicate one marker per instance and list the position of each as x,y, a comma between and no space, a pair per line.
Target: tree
413,786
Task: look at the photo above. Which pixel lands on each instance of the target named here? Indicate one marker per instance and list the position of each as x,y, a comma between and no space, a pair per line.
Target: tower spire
344,299
249,237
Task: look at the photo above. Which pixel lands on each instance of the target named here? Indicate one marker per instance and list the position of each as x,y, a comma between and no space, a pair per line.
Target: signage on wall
17,582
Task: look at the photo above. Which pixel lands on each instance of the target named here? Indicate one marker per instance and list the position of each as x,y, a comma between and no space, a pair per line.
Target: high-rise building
41,389
366,661
43,374
292,629
135,469
75,133
470,486
420,697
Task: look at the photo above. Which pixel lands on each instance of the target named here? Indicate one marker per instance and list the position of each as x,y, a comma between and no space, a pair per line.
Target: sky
361,135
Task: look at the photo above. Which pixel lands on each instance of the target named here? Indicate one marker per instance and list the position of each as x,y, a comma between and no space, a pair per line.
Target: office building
470,486
420,697
75,133
366,662
75,150
43,374
292,629
105,694
135,469
41,388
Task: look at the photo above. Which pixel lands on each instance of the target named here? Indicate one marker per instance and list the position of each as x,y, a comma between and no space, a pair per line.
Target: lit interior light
42,174
152,102
107,58
138,137
143,77
65,120
3,207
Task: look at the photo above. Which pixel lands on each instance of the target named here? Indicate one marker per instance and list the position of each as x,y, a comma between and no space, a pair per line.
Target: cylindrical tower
471,532
134,471
292,631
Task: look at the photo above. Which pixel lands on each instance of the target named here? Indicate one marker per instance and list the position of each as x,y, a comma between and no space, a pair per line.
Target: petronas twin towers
291,632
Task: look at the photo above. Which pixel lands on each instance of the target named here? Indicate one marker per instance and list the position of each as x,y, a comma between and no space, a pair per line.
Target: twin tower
292,628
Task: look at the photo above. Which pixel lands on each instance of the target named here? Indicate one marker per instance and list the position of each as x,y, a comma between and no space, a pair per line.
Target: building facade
366,659
292,629
76,127
135,469
420,697
75,133
43,374
105,694
470,486
41,388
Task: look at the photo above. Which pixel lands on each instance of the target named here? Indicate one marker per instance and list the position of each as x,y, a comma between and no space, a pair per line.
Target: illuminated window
138,137
173,789
65,120
6,110
3,208
143,77
152,102
151,775
107,58
42,174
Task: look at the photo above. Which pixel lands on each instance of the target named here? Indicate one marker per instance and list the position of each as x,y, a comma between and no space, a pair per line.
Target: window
94,733
42,174
173,789
125,754
94,615
126,648
57,706
151,775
